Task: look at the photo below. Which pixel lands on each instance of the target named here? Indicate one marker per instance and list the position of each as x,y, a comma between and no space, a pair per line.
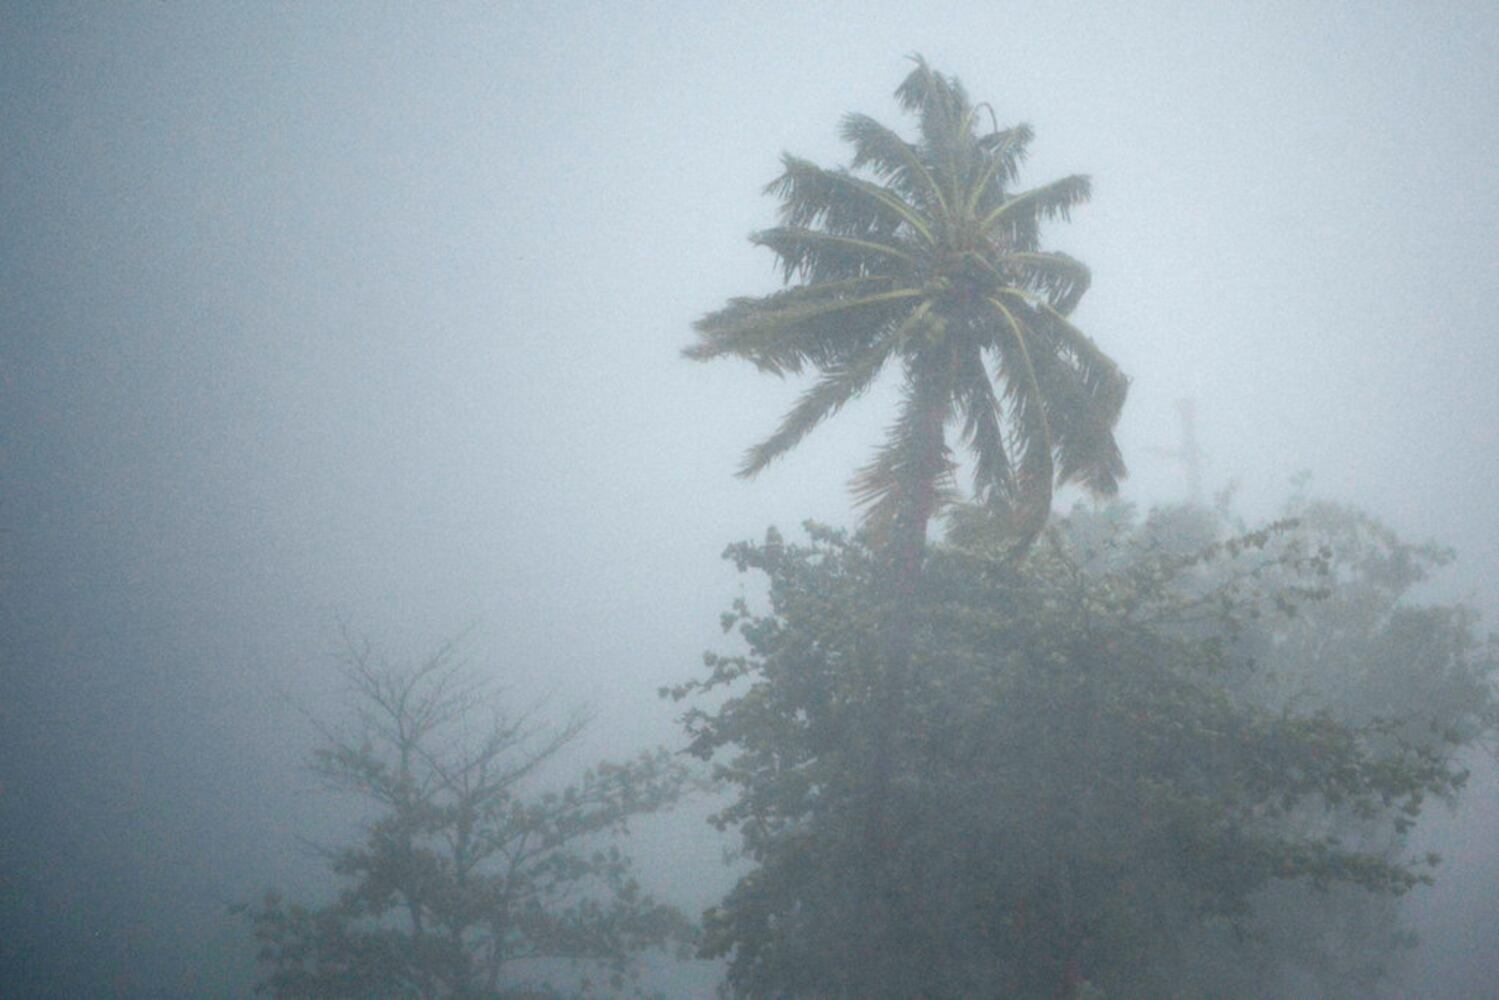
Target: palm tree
918,253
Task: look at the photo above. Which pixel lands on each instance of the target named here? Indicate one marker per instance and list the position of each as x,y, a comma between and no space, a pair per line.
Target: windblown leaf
983,430
839,384
893,160
820,257
842,203
910,479
1019,217
1035,470
1062,279
782,332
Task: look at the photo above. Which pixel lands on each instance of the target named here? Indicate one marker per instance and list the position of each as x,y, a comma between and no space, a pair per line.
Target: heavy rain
1110,574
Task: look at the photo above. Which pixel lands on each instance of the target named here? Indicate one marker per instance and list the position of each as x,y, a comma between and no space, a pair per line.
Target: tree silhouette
470,881
919,254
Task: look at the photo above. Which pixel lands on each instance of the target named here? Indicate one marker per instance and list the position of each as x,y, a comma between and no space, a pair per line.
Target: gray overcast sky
319,309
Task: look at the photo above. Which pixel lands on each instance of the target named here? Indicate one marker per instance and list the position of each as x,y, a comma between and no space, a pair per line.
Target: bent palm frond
818,256
918,252
1062,279
909,481
983,430
1032,433
1000,167
841,203
893,160
839,384
781,337
1023,212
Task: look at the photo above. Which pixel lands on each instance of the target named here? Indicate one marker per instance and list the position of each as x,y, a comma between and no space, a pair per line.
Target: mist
315,315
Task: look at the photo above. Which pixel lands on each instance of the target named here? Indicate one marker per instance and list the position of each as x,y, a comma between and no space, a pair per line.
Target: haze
326,312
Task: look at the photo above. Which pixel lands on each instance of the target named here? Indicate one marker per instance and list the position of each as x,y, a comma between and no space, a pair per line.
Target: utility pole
1190,453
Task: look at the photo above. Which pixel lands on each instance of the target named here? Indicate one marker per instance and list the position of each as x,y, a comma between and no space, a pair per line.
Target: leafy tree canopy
471,881
1115,760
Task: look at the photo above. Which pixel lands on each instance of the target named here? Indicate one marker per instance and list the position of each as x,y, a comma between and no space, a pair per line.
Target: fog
331,313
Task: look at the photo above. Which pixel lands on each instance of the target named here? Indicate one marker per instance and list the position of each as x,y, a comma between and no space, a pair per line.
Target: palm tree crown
918,252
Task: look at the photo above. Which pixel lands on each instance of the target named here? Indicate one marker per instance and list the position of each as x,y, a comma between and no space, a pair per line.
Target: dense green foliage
921,254
1140,760
1148,761
468,882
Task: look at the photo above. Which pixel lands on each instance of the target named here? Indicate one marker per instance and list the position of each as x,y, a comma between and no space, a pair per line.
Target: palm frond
1032,438
983,429
841,203
820,257
1021,214
1082,424
1102,376
1087,392
910,478
1062,279
941,106
783,332
1084,392
1003,152
839,384
1011,145
893,160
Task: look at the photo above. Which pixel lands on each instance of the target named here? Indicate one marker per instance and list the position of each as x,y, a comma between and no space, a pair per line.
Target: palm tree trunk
886,969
